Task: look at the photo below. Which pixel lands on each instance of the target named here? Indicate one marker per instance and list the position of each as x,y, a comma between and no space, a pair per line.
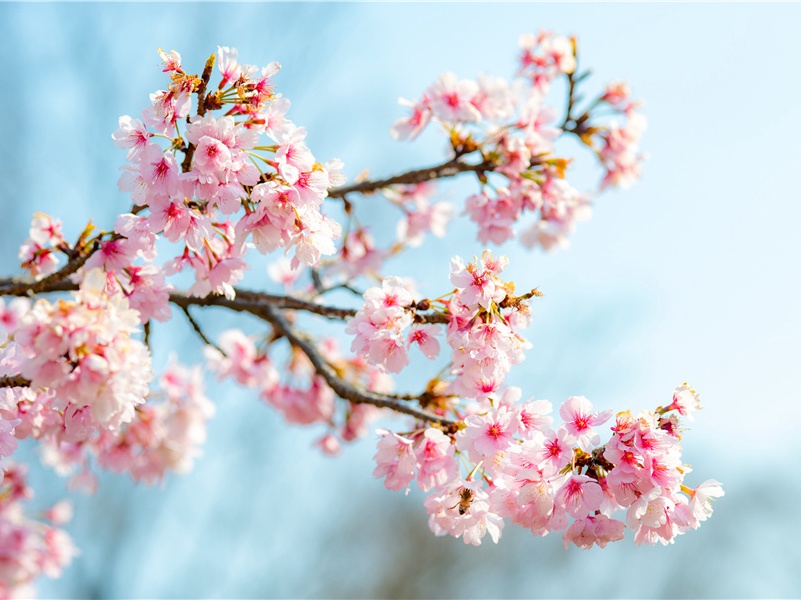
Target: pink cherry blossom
686,401
172,61
557,451
410,127
617,93
30,547
167,108
37,259
701,497
45,230
329,445
315,239
211,155
580,420
227,64
425,336
478,284
533,416
451,99
462,509
242,361
487,434
594,529
435,460
292,156
159,170
8,443
395,460
132,134
580,496
11,316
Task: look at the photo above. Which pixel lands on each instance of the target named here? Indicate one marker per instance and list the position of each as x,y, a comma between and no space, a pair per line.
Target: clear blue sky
691,275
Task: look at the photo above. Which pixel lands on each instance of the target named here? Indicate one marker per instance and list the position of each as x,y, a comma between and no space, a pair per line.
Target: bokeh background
693,275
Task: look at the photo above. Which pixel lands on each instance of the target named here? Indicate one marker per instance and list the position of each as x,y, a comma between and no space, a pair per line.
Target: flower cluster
514,131
484,321
420,214
38,253
29,547
548,479
380,327
84,351
545,56
163,434
296,391
229,189
167,432
618,149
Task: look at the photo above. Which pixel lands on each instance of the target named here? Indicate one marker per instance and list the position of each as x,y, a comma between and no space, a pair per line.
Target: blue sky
690,275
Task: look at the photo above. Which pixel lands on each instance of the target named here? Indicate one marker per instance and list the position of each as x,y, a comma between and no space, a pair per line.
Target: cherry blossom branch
52,282
245,300
282,328
578,123
451,168
571,95
341,388
253,302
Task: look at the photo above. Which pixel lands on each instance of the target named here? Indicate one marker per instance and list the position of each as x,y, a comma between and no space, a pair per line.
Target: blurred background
692,275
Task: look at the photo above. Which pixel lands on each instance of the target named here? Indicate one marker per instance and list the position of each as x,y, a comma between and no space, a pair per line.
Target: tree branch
14,381
248,301
14,287
451,168
341,388
245,300
264,306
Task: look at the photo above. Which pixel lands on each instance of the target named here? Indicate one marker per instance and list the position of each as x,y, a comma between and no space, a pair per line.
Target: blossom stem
196,326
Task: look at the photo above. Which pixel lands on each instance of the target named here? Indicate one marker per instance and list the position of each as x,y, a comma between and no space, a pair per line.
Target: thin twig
196,326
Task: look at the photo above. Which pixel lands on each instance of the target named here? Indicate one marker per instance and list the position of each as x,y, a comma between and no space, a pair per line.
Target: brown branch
201,108
204,82
14,381
245,300
14,287
252,302
264,307
571,101
341,388
451,168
